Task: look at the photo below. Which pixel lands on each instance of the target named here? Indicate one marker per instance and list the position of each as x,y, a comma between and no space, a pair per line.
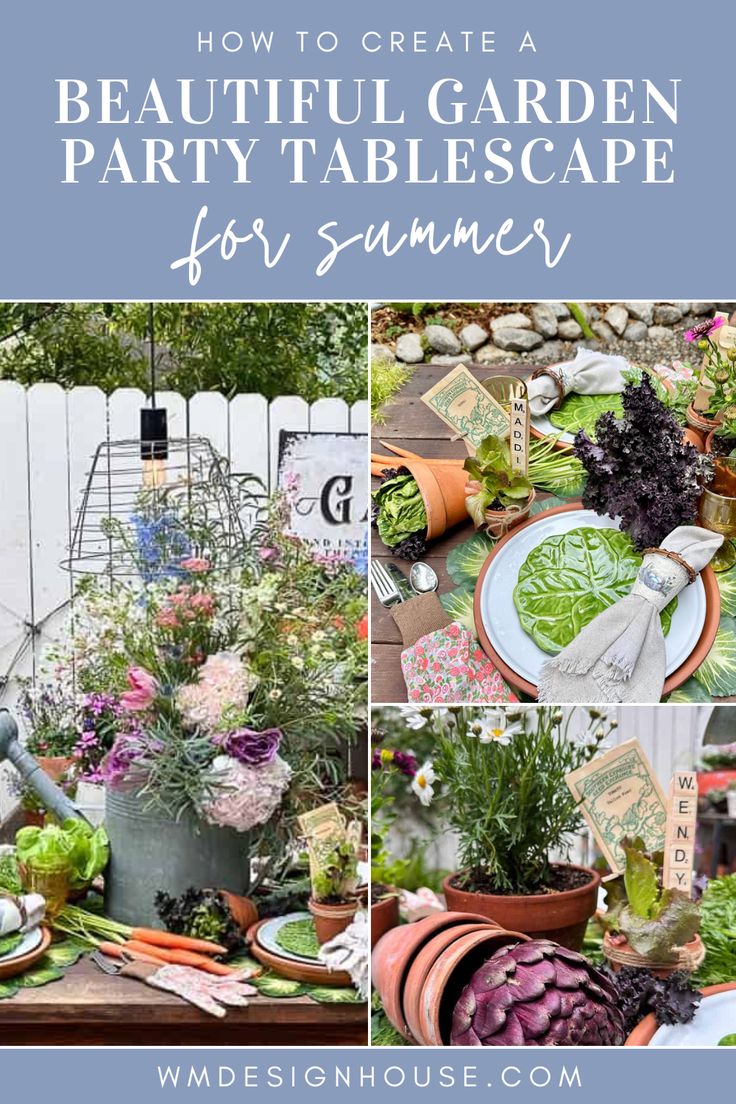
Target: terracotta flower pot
393,954
384,916
498,522
242,909
699,421
623,954
330,920
425,967
55,766
645,1031
695,438
442,487
561,916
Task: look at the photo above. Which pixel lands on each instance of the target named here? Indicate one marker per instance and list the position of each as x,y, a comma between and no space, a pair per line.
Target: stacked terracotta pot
420,969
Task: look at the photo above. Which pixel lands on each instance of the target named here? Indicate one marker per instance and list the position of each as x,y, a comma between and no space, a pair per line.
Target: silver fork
386,590
107,965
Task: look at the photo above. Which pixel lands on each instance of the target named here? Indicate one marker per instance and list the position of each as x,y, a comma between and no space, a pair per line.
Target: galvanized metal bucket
150,851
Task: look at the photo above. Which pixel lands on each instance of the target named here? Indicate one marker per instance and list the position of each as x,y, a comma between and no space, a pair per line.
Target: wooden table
88,1008
411,424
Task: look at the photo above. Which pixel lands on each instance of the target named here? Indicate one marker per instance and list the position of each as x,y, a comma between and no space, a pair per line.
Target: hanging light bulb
154,446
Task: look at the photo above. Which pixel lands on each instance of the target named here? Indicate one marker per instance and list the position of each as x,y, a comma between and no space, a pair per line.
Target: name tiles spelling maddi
679,847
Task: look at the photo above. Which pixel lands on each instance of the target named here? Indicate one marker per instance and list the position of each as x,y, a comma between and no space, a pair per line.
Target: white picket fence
48,437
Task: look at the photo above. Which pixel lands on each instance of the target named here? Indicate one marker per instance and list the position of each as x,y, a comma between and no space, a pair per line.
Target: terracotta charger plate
15,966
313,972
675,679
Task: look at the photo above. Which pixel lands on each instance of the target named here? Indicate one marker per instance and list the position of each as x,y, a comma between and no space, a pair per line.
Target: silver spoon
423,578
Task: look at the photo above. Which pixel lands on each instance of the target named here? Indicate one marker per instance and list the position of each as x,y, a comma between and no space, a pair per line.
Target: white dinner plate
501,621
30,941
715,1018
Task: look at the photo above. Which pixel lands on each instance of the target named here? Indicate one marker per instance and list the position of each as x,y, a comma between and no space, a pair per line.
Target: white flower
422,783
416,718
298,662
274,694
319,636
493,729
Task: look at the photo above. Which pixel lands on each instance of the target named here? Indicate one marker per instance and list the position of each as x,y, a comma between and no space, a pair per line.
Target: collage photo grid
367,674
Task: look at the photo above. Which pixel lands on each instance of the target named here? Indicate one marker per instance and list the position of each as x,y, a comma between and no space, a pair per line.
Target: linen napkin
591,373
620,655
449,665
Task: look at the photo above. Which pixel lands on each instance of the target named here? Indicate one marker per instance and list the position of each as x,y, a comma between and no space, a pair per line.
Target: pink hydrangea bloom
223,683
143,690
196,564
245,795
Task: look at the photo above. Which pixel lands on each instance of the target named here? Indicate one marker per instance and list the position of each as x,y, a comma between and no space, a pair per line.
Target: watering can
49,794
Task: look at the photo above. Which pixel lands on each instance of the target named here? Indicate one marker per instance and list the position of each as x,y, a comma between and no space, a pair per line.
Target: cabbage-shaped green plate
583,411
569,579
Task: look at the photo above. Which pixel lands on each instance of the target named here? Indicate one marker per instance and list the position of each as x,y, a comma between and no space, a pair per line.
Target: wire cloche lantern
147,506
151,504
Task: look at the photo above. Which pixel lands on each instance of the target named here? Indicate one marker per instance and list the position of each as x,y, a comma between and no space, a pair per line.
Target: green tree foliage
308,349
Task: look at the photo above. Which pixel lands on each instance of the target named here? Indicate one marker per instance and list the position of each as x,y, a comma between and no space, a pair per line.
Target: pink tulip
143,690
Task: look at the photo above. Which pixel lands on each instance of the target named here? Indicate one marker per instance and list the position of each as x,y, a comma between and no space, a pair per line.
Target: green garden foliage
314,350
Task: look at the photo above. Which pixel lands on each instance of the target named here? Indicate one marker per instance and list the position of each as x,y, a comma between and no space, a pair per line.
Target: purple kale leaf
640,468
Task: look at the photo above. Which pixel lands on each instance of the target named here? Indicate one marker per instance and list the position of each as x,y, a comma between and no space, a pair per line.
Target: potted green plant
502,775
500,496
334,900
648,925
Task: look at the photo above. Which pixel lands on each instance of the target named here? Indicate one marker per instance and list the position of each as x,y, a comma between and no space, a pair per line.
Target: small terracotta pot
498,522
55,766
695,438
645,1031
384,916
623,954
394,953
698,421
442,488
562,917
242,909
330,920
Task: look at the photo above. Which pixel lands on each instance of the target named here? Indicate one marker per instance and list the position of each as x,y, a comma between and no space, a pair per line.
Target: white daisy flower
421,783
493,729
412,717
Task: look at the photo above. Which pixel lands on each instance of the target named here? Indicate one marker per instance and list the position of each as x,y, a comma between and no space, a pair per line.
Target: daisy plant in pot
500,778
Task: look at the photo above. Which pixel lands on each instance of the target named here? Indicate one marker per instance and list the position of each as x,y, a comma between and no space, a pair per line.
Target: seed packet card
620,796
463,404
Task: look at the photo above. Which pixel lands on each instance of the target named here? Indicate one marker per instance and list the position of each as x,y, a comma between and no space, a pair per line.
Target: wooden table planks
89,1008
413,425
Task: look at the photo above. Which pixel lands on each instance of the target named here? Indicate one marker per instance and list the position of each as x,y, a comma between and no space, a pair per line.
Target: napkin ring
556,379
691,572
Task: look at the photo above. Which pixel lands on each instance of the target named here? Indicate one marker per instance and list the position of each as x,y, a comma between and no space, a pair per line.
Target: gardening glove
620,655
349,950
590,373
449,665
209,993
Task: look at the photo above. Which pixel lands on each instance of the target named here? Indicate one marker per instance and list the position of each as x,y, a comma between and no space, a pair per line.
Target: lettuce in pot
399,512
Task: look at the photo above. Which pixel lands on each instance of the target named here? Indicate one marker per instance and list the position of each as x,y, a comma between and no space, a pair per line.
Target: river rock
660,333
642,310
544,319
519,341
443,340
702,308
450,361
569,330
561,310
515,321
603,332
381,352
635,331
491,354
667,314
551,352
409,348
617,318
473,336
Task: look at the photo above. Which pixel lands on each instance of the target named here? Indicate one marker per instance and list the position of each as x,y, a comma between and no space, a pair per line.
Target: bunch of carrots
141,944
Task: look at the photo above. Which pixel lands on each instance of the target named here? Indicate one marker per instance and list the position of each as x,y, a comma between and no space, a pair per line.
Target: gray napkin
591,373
620,655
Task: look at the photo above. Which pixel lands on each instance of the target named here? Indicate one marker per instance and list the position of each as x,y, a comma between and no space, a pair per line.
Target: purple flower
251,747
116,766
703,329
404,762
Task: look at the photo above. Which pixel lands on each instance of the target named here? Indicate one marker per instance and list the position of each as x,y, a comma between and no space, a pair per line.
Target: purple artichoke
251,747
537,994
